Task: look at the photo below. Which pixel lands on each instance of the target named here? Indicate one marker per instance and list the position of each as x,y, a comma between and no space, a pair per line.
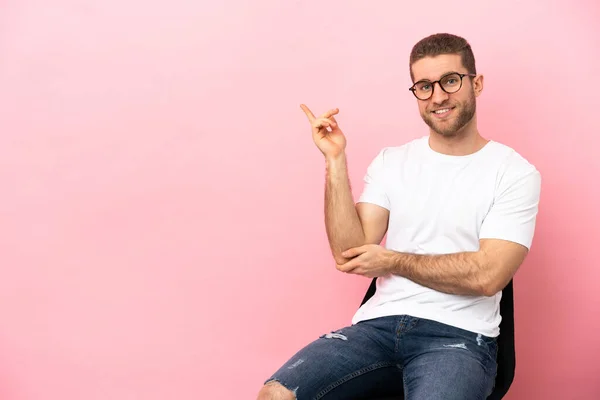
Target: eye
424,86
451,80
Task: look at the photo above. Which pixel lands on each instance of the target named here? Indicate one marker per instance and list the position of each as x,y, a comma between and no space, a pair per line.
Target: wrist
336,161
394,262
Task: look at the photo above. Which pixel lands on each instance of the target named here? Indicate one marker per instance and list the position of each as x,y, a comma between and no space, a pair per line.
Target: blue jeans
427,360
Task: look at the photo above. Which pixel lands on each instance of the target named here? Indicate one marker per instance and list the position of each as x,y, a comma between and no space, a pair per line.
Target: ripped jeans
424,359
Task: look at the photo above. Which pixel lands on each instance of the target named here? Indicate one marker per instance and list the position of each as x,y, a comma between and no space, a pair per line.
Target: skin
455,134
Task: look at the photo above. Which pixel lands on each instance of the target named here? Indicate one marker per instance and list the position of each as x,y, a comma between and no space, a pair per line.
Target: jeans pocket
490,347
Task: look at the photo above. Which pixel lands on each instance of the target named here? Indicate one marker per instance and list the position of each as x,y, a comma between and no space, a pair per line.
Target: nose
438,96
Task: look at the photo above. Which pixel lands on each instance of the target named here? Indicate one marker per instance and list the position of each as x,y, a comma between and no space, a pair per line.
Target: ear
478,85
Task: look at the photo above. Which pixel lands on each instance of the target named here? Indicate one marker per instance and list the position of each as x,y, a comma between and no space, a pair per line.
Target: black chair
506,344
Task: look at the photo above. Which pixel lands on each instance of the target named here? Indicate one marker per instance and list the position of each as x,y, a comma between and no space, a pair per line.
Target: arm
349,225
481,273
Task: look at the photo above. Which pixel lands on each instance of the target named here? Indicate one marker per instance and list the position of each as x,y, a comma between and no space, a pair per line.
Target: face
447,114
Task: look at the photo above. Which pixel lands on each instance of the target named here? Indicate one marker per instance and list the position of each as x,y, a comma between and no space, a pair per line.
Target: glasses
450,83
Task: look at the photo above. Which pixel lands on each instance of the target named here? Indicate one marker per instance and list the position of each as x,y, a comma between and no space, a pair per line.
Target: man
459,211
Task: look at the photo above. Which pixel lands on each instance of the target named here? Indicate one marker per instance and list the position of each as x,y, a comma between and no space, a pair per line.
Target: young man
459,211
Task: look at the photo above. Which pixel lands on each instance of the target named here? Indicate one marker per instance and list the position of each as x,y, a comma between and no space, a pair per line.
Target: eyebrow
442,75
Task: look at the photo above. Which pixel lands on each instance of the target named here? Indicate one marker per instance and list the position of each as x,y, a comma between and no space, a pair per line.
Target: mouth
442,112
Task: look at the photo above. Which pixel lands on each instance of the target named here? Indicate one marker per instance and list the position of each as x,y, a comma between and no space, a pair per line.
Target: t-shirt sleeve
375,190
513,214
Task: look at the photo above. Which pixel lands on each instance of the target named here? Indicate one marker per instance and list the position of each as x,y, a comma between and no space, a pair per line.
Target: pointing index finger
309,114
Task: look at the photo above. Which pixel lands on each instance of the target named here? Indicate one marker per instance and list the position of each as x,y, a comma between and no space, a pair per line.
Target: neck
464,142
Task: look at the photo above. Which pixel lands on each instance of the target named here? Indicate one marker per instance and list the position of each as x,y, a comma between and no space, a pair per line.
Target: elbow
337,253
489,288
339,259
487,280
488,291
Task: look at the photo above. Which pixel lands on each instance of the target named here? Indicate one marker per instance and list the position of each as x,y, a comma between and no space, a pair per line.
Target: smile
442,112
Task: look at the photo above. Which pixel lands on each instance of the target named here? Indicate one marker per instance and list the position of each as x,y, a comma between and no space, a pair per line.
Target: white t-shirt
441,204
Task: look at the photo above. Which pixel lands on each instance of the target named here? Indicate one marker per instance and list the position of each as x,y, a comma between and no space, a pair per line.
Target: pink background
162,232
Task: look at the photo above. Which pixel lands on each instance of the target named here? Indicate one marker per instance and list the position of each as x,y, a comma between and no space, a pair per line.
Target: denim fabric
425,359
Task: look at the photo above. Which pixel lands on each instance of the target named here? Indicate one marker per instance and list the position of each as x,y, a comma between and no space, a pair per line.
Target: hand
332,143
370,260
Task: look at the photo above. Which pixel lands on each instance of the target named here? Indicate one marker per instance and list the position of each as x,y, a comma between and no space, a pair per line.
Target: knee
275,391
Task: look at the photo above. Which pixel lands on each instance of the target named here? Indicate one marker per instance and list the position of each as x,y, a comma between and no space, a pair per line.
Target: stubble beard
466,112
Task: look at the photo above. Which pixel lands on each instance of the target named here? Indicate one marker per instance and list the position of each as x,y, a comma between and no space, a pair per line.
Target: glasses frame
414,90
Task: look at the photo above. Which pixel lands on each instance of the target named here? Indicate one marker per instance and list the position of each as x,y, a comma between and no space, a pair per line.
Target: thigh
448,363
352,362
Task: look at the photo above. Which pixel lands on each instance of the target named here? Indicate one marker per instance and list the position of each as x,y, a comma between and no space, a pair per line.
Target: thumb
337,126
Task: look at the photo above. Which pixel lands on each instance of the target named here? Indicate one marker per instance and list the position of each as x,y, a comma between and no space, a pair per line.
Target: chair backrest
506,341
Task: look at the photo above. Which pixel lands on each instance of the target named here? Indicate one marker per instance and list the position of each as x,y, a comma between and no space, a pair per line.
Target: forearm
466,273
343,226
